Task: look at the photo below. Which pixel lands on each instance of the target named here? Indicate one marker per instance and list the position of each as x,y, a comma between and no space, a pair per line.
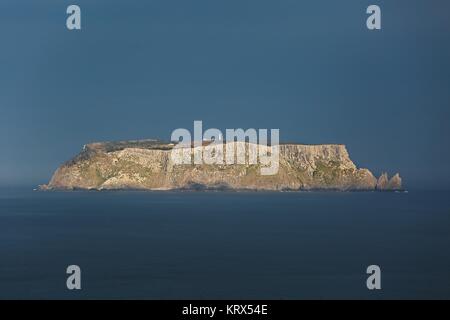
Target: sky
140,69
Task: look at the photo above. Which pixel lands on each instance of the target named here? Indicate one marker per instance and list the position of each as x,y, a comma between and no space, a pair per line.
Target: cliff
148,165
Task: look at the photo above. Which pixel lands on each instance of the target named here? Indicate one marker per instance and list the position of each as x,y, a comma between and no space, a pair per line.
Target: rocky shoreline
147,165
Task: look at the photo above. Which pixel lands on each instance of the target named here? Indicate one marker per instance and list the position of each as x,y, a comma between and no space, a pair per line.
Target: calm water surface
168,245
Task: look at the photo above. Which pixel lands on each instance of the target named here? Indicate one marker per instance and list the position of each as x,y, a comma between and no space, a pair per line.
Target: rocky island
147,165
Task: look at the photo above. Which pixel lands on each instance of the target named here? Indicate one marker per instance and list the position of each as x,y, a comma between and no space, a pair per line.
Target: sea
224,245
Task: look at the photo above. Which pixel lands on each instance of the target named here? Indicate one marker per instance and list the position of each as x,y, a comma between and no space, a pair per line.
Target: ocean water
224,245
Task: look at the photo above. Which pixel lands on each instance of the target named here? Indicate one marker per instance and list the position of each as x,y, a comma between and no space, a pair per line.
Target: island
148,165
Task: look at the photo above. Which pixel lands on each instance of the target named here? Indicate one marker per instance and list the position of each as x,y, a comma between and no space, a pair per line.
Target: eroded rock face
148,165
383,181
395,183
386,184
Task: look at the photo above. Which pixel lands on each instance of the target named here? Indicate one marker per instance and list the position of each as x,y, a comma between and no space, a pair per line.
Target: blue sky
140,69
